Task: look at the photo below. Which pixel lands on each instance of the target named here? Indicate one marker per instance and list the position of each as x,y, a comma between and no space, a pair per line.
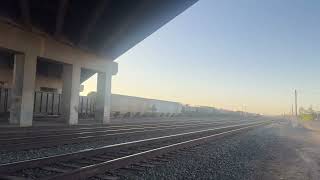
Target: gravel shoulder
13,156
276,151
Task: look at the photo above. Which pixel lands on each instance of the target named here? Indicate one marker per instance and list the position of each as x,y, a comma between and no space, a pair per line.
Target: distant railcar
129,106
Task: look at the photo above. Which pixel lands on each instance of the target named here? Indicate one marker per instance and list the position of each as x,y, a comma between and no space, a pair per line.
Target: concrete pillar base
102,111
103,98
22,97
70,93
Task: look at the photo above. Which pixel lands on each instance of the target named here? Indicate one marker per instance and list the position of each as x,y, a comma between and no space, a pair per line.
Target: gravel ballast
276,151
8,156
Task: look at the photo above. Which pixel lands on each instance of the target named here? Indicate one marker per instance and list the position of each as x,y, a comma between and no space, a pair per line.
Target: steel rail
92,170
11,167
49,142
95,132
42,130
73,140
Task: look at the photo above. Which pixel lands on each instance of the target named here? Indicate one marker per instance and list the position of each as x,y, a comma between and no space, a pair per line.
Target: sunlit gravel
236,157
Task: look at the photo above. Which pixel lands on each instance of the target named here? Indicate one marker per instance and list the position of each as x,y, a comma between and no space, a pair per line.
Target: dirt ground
276,151
298,156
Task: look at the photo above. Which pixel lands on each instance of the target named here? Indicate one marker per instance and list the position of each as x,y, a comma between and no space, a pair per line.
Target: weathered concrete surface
29,46
21,112
103,99
70,93
18,40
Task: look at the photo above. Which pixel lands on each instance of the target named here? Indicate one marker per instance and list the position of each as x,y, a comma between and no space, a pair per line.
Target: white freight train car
129,105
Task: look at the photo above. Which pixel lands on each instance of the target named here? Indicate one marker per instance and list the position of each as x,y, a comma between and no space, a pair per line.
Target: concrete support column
103,98
22,96
70,93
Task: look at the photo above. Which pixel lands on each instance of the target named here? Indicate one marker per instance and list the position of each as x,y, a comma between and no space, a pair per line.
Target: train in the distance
130,106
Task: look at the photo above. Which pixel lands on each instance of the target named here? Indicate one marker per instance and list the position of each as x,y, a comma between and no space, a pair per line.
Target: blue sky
230,54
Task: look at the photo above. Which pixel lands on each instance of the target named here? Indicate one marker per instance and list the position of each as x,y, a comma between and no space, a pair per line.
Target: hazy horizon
237,55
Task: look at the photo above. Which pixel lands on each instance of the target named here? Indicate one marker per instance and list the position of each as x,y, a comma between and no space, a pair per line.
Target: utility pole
296,102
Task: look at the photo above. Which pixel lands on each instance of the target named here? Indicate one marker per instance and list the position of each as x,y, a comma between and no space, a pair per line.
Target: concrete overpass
82,37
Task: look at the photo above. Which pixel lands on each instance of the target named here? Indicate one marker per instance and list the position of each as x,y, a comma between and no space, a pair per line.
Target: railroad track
34,131
95,162
66,137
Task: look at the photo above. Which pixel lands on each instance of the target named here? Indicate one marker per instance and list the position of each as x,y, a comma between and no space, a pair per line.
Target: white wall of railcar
124,104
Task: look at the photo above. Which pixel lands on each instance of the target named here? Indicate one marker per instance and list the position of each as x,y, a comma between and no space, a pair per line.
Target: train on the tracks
130,106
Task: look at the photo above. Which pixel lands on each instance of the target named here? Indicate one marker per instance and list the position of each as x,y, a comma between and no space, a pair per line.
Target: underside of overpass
104,27
82,36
